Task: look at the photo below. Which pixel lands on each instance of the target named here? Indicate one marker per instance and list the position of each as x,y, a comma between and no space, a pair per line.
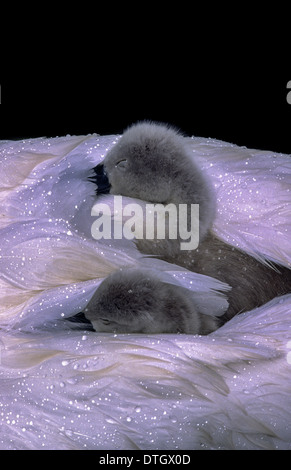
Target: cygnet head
151,162
134,301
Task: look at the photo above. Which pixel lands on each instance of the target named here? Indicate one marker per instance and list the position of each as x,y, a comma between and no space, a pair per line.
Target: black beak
80,319
100,179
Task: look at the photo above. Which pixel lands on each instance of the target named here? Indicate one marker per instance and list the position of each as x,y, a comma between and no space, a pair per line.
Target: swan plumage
252,190
63,388
78,390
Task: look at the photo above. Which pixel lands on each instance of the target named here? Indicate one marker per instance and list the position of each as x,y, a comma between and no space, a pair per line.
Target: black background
240,102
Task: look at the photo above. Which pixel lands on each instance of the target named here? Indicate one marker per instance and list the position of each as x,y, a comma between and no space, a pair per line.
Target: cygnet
151,162
135,301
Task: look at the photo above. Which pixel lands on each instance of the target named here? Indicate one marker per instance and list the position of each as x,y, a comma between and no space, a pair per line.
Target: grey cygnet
134,301
151,162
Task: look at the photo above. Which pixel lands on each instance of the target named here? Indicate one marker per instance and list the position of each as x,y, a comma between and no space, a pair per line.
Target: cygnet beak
82,320
100,179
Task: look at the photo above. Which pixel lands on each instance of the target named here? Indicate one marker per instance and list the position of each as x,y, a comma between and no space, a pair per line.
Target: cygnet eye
105,321
122,164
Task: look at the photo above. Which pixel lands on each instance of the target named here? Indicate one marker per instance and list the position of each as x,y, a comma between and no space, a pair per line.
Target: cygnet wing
253,189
